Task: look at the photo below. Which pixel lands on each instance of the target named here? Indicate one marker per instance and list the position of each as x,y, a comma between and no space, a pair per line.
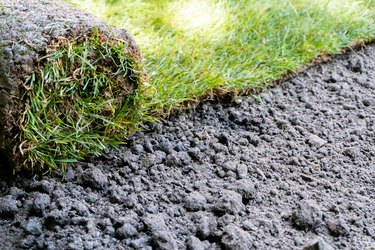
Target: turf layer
194,48
78,101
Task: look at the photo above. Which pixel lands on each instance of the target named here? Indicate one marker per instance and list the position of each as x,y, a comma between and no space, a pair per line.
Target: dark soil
293,168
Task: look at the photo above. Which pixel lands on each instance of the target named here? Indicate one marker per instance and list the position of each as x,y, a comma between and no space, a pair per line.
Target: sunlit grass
197,15
196,46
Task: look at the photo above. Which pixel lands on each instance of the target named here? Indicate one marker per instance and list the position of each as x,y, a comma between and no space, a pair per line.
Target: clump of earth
293,168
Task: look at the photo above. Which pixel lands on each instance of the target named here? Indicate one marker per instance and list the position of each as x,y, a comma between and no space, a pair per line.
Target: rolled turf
69,84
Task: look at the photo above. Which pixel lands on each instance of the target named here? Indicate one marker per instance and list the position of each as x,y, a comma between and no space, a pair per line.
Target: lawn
195,49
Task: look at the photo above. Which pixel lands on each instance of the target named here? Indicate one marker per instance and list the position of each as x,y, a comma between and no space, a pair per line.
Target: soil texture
293,168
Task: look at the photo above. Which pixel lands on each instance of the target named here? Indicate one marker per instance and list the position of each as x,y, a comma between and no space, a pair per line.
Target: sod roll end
69,84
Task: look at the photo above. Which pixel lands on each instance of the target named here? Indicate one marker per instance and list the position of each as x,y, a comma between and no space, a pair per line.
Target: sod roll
69,84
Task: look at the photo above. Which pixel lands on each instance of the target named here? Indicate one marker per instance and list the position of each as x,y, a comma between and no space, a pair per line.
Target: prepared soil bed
293,168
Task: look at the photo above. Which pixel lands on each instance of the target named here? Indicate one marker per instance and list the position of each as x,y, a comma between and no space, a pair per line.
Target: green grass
82,98
193,49
196,48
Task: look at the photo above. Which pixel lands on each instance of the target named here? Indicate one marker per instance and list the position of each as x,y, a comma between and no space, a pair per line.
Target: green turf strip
194,46
82,98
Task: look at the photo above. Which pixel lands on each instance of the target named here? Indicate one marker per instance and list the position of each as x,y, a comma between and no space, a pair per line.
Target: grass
193,49
197,48
82,98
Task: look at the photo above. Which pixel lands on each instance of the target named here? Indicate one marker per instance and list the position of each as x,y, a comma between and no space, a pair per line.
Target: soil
293,168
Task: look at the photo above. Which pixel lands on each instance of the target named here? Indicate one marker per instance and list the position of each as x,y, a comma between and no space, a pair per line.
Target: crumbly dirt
293,168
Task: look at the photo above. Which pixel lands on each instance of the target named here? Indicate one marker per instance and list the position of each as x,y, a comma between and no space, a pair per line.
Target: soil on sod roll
293,168
66,83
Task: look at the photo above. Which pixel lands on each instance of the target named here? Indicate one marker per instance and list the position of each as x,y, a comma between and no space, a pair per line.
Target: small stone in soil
307,216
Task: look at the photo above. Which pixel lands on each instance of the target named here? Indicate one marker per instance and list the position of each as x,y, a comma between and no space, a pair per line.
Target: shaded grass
197,46
82,98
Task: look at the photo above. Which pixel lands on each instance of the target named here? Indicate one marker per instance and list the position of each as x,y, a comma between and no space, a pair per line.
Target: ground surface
293,168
